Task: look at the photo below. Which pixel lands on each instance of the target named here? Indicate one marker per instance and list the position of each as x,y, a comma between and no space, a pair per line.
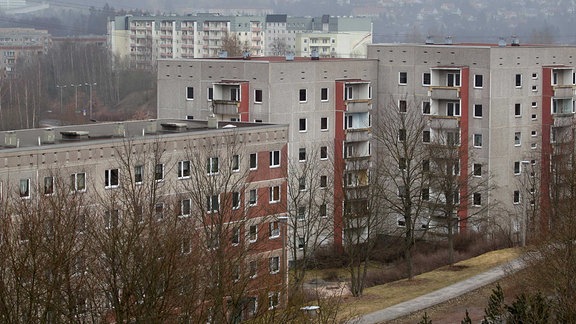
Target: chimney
48,136
212,121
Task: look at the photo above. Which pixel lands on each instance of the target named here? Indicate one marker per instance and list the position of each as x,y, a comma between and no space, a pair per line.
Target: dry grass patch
379,297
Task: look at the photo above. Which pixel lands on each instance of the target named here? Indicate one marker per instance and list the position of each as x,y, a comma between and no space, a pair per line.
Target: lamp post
90,85
76,88
60,87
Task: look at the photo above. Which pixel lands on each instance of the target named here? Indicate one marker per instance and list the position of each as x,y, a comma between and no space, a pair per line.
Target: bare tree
310,202
401,161
278,47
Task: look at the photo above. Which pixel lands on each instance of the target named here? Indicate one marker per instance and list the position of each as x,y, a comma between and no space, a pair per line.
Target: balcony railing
358,105
444,122
444,93
358,135
225,107
565,91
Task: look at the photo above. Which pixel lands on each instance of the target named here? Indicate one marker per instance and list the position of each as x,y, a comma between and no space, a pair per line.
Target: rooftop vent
501,42
429,40
10,139
448,40
314,55
245,55
74,135
212,122
48,137
223,54
515,40
289,56
174,127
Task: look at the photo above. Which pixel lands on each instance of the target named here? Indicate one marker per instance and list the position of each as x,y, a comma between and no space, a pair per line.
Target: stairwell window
478,81
518,80
477,140
77,182
24,188
403,78
274,159
111,178
302,125
302,95
426,79
478,111
183,169
258,96
189,93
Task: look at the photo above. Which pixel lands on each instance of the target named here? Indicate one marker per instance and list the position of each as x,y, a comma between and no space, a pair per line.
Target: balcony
565,91
444,122
225,107
444,93
358,135
359,105
563,120
256,29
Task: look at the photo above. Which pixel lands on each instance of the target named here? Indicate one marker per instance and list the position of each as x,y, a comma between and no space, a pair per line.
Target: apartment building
507,105
144,39
327,103
241,185
16,43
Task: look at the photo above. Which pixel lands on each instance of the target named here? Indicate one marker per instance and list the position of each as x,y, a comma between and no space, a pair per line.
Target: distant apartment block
16,43
144,39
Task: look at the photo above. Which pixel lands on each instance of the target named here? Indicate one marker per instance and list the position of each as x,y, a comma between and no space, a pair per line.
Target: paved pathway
440,295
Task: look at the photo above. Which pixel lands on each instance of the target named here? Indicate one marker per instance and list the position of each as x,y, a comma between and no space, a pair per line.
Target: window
274,159
24,188
518,80
453,138
213,203
517,110
426,79
477,169
533,145
348,122
517,167
426,165
302,183
252,197
322,210
185,207
253,233
212,165
534,133
159,172
48,185
516,198
534,116
477,140
111,178
425,194
402,135
301,242
253,271
274,194
273,300
235,163
453,79
400,221
235,200
235,237
324,94
138,173
426,107
403,78
77,182
210,95
323,152
517,138
477,199
302,124
189,93
159,211
402,106
478,81
478,111
111,218
234,94
323,181
258,96
253,161
534,104
183,169
534,76
274,264
534,88
554,78
302,154
348,93
453,109
274,229
302,95
402,163
301,215
324,123
426,136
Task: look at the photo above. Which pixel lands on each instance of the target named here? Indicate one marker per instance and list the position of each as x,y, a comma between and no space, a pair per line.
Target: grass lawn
379,297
